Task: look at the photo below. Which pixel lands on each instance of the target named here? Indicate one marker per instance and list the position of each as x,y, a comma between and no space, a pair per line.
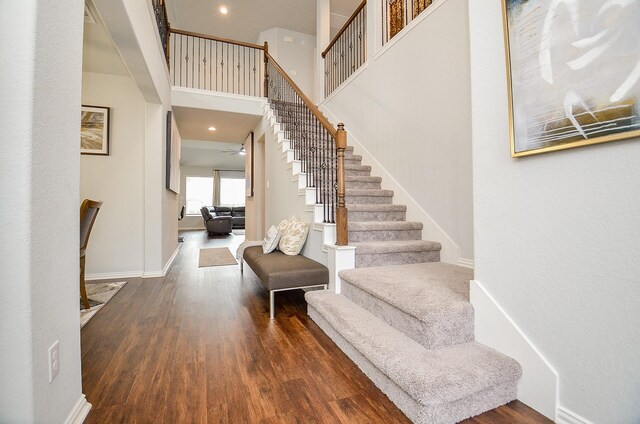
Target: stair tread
429,376
368,192
385,226
420,290
395,246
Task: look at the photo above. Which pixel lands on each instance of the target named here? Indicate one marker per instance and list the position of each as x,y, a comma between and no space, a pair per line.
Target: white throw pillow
293,235
271,240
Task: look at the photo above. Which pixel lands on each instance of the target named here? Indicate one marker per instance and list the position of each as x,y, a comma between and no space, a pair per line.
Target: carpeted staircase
405,318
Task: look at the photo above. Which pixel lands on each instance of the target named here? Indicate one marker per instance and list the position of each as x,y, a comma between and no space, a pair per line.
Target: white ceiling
247,18
206,154
204,148
193,124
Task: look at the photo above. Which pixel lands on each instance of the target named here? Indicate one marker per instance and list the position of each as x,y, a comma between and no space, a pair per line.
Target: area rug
99,294
216,256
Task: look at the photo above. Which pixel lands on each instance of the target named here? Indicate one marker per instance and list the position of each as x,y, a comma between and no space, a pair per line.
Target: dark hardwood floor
197,346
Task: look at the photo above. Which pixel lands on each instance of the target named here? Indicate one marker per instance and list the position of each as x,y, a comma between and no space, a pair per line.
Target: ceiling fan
241,151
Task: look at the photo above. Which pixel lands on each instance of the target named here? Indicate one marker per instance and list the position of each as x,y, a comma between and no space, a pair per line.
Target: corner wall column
323,32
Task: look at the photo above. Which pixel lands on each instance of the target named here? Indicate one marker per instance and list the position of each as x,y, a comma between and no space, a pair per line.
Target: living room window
232,191
199,193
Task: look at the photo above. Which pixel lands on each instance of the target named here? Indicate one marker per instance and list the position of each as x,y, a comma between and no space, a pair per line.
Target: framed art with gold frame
573,73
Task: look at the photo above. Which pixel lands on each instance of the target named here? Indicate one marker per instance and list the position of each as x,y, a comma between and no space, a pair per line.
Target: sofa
236,213
216,224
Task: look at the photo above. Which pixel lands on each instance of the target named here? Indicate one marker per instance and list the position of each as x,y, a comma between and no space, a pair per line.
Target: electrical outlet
54,361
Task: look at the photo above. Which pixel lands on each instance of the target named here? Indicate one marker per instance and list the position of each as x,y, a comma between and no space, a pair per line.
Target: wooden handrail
344,27
213,38
324,121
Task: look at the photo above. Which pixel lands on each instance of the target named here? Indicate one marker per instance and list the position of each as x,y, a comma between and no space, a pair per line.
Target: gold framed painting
94,130
573,73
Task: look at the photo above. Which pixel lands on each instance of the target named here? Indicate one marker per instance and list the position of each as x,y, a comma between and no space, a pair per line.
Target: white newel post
339,258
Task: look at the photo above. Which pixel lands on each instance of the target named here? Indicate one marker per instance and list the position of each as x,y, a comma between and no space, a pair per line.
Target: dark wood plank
197,346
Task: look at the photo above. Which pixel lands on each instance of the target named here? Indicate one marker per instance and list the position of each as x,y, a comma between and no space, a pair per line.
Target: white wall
117,239
556,241
410,110
39,168
297,56
282,199
133,29
255,206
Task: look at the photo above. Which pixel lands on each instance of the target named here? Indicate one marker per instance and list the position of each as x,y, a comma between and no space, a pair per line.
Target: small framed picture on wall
94,130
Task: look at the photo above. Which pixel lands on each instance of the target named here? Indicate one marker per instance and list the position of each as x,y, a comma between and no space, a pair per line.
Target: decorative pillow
293,235
285,222
271,240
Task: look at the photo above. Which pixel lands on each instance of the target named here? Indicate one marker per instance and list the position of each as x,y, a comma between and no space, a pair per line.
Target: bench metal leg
241,266
271,307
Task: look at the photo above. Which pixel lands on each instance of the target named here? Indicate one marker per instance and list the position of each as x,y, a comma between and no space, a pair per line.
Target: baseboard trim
79,412
170,261
564,416
166,266
113,275
538,386
467,263
190,229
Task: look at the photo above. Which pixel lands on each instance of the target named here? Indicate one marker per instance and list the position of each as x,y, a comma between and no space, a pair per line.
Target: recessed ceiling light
212,128
224,10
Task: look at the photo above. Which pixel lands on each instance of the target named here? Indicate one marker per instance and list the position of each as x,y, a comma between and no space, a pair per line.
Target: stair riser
317,163
363,185
449,327
396,258
369,200
358,172
357,236
364,216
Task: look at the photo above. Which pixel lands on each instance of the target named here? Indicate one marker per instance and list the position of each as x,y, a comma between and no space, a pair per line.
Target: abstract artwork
173,146
94,130
574,72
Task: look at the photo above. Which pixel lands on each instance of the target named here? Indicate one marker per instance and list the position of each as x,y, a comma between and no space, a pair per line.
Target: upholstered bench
280,272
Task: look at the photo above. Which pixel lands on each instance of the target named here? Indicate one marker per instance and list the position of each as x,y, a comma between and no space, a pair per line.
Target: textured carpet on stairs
403,317
443,385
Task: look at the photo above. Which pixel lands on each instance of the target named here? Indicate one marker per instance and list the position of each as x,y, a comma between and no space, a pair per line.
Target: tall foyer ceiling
247,18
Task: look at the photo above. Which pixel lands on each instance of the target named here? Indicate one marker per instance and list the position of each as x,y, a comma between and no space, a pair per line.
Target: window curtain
216,187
